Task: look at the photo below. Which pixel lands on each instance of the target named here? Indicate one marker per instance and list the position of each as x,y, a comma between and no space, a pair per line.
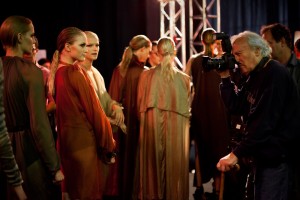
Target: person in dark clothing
279,38
270,106
8,164
25,111
136,53
209,123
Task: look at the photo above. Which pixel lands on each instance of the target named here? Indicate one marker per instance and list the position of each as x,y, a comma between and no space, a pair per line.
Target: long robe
129,101
209,122
164,136
82,129
28,126
8,164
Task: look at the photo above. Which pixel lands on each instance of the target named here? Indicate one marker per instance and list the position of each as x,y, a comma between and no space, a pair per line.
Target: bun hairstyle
208,41
207,36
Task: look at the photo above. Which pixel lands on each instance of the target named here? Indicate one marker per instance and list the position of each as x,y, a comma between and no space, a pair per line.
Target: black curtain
240,15
117,21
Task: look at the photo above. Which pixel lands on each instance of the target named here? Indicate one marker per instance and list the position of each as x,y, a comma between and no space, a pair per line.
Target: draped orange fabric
82,128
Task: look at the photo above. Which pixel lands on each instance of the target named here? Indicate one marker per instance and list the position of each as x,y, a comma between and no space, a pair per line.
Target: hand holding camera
227,61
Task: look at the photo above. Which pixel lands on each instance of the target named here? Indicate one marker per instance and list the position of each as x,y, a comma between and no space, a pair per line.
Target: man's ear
257,51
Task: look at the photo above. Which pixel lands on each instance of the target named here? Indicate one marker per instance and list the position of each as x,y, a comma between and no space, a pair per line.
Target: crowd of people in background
64,136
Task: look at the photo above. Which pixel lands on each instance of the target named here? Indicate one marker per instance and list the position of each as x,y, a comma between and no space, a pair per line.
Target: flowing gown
163,168
28,126
83,129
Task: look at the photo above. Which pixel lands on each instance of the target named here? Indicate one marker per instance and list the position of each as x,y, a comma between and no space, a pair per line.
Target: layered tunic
163,160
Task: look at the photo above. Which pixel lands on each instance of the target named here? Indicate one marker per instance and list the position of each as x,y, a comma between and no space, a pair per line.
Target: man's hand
224,73
228,162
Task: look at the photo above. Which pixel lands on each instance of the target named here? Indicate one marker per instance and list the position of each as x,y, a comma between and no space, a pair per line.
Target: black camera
227,61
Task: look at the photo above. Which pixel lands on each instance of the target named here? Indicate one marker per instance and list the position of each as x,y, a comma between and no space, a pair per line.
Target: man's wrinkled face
244,55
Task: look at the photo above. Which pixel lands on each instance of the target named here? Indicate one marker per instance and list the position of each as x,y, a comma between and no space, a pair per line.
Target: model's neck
14,52
65,62
66,59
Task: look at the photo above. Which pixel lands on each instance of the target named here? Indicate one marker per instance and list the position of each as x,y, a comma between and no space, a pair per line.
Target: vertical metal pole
202,13
174,17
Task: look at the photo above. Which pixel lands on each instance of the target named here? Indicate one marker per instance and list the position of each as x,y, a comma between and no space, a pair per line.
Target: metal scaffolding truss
172,24
202,14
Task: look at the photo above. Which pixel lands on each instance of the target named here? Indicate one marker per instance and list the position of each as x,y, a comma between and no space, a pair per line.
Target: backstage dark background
117,21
